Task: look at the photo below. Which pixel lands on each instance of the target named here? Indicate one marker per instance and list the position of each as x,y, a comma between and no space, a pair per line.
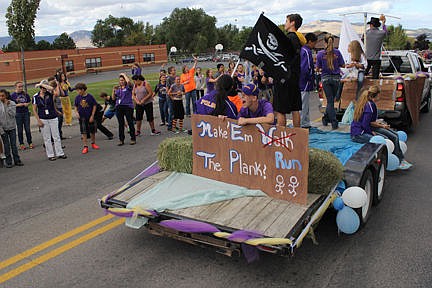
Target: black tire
427,107
380,180
367,182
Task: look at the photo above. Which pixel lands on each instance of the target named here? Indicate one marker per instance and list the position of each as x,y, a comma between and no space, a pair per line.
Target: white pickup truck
405,89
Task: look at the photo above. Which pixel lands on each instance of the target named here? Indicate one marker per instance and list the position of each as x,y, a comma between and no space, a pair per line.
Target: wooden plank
226,213
286,221
267,216
249,212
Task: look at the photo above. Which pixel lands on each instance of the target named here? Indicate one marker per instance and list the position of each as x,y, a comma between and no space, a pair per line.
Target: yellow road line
317,120
21,269
53,241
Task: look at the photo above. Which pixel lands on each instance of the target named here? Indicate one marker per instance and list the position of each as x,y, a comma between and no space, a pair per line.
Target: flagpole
235,68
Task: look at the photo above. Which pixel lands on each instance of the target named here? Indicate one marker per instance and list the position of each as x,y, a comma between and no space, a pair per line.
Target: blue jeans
331,85
23,121
363,138
10,147
163,109
170,113
190,96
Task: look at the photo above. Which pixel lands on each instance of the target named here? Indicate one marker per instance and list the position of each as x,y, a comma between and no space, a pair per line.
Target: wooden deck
272,217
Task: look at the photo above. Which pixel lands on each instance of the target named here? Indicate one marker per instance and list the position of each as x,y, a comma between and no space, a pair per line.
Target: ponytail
329,52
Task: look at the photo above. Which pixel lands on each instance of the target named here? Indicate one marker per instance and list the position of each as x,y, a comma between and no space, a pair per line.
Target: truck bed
272,217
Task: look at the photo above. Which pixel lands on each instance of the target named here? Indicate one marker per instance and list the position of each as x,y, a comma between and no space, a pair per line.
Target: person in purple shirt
122,94
210,81
86,105
216,103
307,77
22,116
136,69
365,124
255,111
329,62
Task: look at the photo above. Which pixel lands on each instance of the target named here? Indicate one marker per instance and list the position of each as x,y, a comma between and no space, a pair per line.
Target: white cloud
56,17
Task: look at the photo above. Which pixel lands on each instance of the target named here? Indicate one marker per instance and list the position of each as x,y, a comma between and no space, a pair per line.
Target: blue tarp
338,143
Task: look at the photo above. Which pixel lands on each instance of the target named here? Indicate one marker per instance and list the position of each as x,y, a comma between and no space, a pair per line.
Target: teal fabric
338,143
180,190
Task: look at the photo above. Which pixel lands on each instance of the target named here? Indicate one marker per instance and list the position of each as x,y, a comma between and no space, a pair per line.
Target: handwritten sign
272,159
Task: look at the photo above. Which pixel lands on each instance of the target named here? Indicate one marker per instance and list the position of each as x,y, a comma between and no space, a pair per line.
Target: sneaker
62,156
19,163
8,165
324,121
133,142
162,124
52,158
121,143
111,138
404,165
137,133
31,146
94,146
22,147
155,132
84,150
185,130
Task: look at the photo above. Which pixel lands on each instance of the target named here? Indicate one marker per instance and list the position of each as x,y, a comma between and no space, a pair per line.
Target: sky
56,17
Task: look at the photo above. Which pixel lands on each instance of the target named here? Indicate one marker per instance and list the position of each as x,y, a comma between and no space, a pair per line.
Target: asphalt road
43,200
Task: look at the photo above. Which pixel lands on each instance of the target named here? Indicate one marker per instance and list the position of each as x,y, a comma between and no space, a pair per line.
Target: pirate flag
269,48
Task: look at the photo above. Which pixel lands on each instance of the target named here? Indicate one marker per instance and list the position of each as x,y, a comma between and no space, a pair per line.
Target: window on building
126,59
93,62
148,57
69,65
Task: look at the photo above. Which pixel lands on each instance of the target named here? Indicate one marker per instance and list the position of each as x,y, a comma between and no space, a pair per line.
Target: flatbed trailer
272,218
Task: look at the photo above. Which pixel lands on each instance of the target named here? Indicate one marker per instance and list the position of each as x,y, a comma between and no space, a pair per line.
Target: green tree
396,38
227,35
20,18
43,45
241,38
119,31
421,42
64,41
190,30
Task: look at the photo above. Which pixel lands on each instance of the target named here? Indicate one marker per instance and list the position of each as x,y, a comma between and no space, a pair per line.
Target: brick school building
43,64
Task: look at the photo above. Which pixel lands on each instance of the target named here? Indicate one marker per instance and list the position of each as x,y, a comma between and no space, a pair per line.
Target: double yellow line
55,252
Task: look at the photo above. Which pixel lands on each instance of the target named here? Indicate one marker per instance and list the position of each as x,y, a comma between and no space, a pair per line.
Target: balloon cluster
347,219
392,159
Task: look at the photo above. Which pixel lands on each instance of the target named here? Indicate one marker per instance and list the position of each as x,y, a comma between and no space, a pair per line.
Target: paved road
43,200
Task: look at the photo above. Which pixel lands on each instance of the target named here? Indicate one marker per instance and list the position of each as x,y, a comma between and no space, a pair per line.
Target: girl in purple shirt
329,62
366,124
122,94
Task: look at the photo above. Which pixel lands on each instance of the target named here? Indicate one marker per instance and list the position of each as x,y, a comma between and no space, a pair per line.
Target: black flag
269,48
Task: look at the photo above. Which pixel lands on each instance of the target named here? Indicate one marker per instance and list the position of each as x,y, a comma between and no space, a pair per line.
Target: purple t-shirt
85,105
264,108
207,104
124,96
20,98
210,85
337,63
363,125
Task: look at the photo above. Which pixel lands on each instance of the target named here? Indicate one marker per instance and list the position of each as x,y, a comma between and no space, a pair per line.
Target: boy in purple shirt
254,111
85,105
22,116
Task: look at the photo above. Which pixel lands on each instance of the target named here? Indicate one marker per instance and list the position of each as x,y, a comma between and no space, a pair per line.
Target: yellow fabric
136,211
301,38
222,234
67,109
268,241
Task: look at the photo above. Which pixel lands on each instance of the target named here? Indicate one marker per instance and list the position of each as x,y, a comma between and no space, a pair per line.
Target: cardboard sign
270,158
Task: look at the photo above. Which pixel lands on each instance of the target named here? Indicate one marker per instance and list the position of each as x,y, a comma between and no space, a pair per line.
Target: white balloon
403,147
354,197
390,146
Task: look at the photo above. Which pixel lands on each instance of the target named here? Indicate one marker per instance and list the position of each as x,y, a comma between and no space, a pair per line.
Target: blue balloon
341,186
392,162
377,139
402,136
347,220
338,203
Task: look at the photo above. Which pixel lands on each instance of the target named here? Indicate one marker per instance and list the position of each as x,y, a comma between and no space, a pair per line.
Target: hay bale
175,154
325,170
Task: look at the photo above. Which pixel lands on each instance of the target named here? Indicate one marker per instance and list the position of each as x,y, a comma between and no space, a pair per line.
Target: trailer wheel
367,183
380,180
